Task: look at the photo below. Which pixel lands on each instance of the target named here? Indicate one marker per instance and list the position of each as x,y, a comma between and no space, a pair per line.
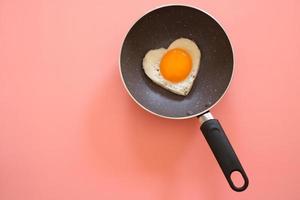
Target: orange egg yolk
176,65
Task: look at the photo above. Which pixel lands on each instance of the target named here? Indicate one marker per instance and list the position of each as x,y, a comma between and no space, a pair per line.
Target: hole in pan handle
222,150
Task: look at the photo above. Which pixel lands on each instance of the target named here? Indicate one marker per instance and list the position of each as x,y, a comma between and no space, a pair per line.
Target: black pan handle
222,150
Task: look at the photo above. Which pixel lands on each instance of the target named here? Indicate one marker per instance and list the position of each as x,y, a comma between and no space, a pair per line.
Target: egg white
151,66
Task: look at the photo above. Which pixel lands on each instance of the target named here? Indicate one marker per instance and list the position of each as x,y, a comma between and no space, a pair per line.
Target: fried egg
175,68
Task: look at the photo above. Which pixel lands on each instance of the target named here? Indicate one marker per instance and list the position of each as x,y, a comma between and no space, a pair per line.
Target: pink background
68,129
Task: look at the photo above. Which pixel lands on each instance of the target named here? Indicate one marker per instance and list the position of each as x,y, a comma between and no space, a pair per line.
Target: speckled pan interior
159,28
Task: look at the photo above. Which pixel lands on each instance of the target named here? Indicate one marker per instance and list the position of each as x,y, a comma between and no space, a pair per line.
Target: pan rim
150,111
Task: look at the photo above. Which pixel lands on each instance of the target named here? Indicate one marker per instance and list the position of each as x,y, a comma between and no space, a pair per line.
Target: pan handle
222,150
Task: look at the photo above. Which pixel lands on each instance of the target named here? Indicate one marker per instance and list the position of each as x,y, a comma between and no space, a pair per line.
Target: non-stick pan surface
159,28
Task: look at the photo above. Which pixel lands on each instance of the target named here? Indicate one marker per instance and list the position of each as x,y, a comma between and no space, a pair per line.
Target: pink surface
68,129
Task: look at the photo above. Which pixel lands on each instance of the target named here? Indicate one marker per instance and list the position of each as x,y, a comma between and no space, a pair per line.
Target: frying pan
158,28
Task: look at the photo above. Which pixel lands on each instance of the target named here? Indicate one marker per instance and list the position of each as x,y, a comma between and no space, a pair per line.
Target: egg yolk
176,65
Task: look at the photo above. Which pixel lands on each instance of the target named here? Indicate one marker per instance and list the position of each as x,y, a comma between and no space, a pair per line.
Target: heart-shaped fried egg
175,68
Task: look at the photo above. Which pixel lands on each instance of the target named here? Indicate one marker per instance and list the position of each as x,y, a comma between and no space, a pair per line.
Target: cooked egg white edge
151,63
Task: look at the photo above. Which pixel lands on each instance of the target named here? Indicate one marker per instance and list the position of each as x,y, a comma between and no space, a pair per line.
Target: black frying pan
159,28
